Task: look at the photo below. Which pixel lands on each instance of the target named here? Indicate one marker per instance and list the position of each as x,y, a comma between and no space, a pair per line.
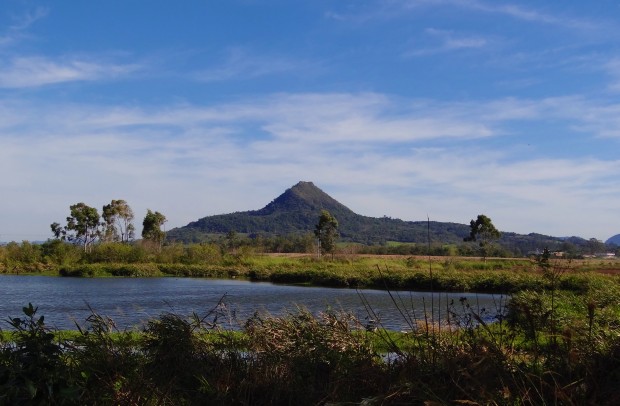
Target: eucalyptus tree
326,231
484,232
151,227
83,226
118,219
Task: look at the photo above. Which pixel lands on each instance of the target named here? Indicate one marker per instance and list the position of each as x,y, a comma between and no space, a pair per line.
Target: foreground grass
546,347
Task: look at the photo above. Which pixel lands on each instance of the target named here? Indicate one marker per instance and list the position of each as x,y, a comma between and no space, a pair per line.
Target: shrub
107,363
319,358
32,368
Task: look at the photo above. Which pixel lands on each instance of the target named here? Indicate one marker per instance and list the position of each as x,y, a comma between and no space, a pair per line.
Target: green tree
484,232
151,227
232,241
326,231
595,246
59,252
83,226
118,219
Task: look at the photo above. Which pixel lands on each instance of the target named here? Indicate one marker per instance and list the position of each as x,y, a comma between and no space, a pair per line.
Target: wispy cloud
525,14
386,10
612,68
241,64
34,71
17,30
25,21
447,41
323,119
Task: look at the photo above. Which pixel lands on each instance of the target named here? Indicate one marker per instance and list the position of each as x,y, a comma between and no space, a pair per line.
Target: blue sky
404,108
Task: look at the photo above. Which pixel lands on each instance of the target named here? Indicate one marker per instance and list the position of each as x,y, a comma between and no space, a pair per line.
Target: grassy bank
439,274
447,273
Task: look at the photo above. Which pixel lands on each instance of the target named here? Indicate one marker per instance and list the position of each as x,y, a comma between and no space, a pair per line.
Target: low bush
103,270
543,351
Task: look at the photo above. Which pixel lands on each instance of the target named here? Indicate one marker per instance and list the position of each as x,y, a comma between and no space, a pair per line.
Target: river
132,301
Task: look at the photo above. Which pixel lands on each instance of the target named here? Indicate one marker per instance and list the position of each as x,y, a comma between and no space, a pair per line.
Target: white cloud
34,71
241,64
449,41
18,29
512,10
189,161
387,10
24,21
533,15
612,68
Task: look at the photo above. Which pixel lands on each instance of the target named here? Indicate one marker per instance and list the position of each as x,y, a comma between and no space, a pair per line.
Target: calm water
131,301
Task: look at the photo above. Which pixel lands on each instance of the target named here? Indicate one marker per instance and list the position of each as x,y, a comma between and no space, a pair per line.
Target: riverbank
450,274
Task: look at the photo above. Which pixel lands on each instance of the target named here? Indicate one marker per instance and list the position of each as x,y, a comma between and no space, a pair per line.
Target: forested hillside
296,211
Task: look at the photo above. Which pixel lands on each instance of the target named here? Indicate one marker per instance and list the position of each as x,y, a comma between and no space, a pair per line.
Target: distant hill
614,240
296,211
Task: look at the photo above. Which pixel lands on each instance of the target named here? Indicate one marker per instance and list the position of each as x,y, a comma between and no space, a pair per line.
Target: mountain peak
304,196
304,184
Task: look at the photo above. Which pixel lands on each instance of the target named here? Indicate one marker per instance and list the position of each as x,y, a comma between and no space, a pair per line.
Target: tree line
84,226
88,237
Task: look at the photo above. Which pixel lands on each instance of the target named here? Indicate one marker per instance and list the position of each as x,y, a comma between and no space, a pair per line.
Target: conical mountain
294,211
297,210
303,198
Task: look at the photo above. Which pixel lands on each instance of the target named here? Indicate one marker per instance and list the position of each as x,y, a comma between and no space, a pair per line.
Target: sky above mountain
404,108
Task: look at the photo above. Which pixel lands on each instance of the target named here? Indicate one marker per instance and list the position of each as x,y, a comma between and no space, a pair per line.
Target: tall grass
543,347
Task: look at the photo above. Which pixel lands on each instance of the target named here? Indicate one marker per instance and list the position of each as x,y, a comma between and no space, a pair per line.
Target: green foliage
105,270
58,252
24,254
32,368
483,231
151,227
112,252
326,231
107,363
202,253
83,226
172,351
118,218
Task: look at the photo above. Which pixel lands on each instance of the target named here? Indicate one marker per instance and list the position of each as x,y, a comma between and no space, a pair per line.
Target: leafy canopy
482,230
118,219
327,231
151,227
83,226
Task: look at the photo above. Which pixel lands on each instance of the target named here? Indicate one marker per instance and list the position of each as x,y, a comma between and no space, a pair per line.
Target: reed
455,356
